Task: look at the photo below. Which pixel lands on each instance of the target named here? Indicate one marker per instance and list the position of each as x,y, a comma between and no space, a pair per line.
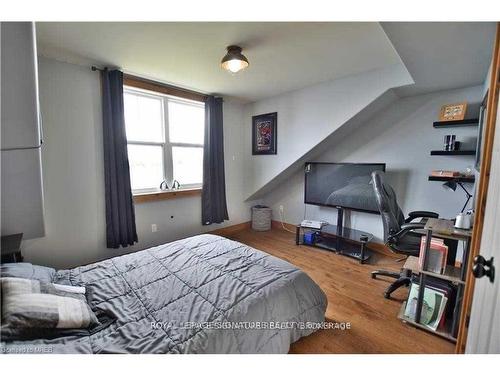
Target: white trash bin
261,218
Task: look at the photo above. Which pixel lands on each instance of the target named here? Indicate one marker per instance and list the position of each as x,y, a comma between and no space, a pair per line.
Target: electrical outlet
154,228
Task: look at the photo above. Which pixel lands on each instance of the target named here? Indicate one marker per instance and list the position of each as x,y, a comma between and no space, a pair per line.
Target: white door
484,328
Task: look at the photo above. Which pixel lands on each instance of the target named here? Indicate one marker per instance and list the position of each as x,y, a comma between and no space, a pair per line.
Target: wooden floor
352,297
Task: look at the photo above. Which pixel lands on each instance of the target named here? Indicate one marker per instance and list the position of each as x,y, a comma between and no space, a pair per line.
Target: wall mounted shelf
456,123
458,179
454,152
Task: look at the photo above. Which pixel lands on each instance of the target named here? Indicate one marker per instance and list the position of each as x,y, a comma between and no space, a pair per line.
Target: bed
203,294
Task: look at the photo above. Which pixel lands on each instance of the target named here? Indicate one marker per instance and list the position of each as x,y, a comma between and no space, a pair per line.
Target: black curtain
213,198
120,215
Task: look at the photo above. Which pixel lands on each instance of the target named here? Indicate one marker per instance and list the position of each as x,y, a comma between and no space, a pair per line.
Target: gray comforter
204,294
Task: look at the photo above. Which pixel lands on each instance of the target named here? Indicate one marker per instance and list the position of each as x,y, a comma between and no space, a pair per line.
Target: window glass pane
143,118
188,164
146,166
186,122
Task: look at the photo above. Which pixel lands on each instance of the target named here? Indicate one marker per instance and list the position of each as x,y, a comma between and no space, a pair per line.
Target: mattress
203,294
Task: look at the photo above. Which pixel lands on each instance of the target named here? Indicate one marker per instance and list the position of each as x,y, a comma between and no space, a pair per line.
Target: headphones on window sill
175,185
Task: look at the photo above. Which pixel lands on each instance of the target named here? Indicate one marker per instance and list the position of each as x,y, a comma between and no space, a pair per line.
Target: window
165,139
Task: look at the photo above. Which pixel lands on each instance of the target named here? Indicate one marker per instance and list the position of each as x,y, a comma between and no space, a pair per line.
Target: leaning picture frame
265,134
483,110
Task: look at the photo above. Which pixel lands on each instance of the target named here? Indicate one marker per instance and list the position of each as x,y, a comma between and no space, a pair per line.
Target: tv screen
346,185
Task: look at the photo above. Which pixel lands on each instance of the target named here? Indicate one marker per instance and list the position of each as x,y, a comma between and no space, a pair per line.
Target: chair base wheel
403,278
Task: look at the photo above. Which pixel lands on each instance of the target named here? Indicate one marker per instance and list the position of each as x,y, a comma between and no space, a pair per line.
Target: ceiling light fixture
234,61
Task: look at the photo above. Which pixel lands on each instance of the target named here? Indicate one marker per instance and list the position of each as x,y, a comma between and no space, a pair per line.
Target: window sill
162,195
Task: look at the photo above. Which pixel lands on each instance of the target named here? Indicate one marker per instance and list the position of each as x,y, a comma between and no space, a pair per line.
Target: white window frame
168,167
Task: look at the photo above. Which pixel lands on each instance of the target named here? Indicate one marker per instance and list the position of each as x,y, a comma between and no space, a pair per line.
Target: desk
442,229
445,229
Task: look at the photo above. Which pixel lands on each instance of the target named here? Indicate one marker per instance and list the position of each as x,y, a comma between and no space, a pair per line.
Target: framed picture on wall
265,134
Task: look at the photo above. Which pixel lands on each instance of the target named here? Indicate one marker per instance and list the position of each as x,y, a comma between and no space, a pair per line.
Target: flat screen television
345,185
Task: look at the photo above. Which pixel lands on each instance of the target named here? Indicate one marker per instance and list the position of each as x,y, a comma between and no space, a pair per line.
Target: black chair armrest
392,238
416,214
410,226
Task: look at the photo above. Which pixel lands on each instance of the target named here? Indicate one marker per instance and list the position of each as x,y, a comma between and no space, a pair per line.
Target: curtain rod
95,69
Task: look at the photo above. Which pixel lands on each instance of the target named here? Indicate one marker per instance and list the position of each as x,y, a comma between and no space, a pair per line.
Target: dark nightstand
11,248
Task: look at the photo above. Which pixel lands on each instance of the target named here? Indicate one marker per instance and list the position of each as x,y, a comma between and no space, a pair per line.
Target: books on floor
436,256
433,306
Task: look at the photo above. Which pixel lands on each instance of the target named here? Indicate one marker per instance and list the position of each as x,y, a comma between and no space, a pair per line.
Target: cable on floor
282,220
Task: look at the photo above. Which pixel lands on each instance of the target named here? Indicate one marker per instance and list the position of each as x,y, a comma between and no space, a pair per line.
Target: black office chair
399,233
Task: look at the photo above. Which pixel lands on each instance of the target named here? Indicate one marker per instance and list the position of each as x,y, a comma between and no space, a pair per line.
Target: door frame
481,192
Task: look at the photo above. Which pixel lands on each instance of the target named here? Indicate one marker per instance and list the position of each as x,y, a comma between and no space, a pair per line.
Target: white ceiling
442,55
283,56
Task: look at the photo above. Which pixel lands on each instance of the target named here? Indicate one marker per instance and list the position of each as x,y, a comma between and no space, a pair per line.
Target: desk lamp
452,186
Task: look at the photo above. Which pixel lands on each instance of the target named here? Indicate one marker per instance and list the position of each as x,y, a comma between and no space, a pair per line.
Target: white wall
307,116
401,136
73,176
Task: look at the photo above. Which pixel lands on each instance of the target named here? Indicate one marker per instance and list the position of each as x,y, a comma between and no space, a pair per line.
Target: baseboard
231,229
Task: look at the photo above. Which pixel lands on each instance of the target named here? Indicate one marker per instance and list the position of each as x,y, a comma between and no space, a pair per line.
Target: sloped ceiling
283,56
437,56
357,120
442,55
309,116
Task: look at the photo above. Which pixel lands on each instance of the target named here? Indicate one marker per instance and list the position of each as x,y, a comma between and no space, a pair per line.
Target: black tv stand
342,240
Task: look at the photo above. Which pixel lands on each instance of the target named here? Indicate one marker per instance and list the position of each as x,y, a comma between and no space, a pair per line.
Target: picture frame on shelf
453,112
